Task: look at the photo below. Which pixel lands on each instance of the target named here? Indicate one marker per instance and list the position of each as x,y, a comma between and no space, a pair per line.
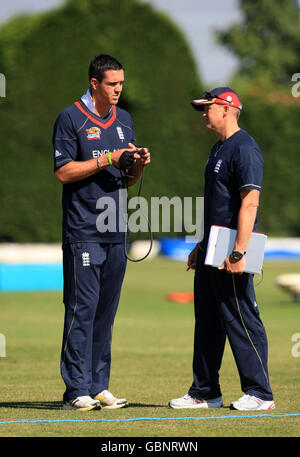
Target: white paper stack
221,243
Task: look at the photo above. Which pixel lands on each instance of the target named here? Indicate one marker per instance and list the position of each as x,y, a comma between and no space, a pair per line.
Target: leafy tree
267,41
45,59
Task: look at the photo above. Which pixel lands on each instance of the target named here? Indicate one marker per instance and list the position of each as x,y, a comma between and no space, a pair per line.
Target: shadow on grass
53,405
32,404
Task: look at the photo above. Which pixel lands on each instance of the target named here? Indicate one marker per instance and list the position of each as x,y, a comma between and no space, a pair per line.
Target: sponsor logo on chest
93,133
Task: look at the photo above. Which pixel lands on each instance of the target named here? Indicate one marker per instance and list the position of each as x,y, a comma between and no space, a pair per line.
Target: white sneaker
188,402
85,403
108,401
252,403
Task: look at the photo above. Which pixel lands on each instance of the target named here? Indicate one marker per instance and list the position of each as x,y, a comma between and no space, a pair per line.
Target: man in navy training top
95,158
225,303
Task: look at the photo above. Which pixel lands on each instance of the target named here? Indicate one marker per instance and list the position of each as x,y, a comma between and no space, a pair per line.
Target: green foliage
275,128
267,41
45,59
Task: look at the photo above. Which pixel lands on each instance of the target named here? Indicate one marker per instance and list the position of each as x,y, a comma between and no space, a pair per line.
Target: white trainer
84,403
189,402
108,401
252,403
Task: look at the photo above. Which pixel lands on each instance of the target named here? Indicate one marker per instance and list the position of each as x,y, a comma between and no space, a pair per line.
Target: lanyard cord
145,217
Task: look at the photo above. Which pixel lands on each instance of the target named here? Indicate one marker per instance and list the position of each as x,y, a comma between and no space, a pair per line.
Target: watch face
237,255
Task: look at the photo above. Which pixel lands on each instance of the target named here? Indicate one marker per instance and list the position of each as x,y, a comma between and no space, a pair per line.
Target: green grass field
151,362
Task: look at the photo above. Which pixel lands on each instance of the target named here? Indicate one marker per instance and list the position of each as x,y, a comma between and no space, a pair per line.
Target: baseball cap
219,95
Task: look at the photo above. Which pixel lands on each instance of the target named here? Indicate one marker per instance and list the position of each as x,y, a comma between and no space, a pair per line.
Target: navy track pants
225,305
93,276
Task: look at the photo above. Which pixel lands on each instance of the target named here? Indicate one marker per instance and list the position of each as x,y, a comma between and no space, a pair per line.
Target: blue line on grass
134,419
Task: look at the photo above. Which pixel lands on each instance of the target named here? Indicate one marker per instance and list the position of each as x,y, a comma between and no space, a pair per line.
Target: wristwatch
237,255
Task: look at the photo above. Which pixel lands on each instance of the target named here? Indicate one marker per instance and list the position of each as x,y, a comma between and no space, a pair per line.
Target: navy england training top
80,135
233,165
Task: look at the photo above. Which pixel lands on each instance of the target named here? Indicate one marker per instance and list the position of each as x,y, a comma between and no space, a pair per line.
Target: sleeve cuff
250,187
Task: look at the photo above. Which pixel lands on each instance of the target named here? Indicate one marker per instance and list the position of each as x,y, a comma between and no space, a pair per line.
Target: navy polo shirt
233,165
80,135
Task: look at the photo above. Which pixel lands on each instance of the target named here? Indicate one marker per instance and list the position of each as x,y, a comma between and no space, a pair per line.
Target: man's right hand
125,162
192,259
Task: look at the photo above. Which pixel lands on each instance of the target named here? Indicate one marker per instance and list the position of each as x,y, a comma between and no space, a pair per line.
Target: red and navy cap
219,95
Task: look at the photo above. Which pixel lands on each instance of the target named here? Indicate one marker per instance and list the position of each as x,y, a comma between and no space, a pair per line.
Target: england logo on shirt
218,165
86,259
120,133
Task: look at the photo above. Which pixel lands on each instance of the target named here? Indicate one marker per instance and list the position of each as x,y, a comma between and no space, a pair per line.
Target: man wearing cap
225,303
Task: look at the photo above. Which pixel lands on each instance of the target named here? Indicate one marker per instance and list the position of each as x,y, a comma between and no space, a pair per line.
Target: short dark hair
102,63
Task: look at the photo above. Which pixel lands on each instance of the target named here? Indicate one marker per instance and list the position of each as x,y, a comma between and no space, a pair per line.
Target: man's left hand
232,265
142,154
